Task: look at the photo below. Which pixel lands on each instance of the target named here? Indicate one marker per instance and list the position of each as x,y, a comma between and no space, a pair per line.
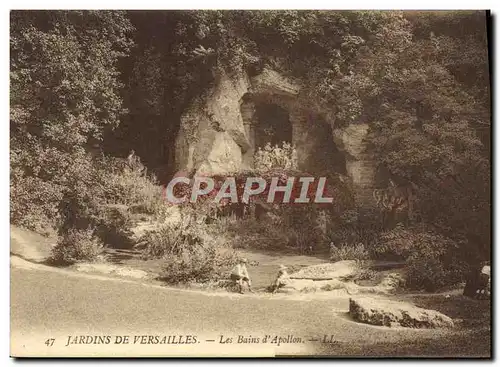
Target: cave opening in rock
273,125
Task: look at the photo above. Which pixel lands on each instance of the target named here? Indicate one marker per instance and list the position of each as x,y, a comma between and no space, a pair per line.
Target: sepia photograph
250,183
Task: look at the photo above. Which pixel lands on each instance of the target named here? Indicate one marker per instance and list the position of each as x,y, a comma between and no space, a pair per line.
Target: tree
65,91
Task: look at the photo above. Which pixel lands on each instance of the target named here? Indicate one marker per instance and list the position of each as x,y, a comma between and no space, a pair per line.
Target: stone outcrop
273,83
339,269
322,277
360,166
217,132
308,285
212,137
334,277
384,312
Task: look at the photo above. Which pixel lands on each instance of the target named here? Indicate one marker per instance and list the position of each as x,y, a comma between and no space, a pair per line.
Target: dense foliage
87,85
75,246
65,91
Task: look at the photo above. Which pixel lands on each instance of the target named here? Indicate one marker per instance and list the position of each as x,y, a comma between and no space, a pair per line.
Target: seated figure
282,279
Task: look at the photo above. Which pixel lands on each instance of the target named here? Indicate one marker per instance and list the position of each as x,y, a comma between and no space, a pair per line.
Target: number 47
50,342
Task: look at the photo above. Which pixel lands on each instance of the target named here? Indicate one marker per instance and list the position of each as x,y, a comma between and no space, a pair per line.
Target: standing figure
484,284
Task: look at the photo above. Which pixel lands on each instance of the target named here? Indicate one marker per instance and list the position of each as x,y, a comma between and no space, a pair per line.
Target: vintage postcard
243,183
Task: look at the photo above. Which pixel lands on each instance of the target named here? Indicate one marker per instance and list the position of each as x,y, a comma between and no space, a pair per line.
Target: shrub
173,239
256,234
361,274
193,251
199,264
353,235
77,246
403,242
88,195
161,241
348,252
113,225
432,259
353,228
34,202
129,184
96,196
430,273
303,227
278,231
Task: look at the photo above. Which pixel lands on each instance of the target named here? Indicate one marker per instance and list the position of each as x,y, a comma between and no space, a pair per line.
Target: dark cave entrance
325,155
273,125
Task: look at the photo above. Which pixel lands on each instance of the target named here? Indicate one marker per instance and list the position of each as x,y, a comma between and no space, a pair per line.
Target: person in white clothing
239,275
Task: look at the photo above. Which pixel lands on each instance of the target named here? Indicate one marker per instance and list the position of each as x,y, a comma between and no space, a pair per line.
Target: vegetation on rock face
90,85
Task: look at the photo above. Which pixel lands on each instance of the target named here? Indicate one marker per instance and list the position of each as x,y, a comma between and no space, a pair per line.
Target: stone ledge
327,271
392,313
272,82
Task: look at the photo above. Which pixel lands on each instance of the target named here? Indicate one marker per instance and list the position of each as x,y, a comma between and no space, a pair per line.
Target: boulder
384,312
327,271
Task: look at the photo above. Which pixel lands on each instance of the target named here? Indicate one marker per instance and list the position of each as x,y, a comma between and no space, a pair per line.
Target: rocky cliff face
360,165
212,138
218,132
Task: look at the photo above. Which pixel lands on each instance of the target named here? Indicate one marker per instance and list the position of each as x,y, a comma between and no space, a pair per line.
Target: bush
129,184
428,273
173,239
113,226
199,264
352,236
353,228
34,203
288,228
348,252
403,242
97,196
77,246
193,251
102,193
302,227
432,259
